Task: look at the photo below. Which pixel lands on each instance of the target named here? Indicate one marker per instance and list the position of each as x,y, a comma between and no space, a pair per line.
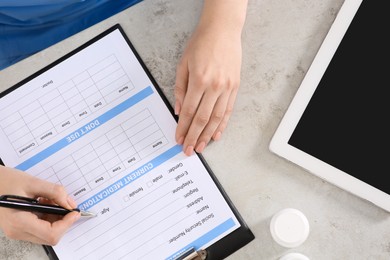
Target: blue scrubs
28,26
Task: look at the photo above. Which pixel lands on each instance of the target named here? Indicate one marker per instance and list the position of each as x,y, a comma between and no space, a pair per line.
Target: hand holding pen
39,228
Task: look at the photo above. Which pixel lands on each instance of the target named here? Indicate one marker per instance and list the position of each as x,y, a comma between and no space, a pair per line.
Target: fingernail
77,216
200,147
217,136
72,202
177,108
180,140
189,150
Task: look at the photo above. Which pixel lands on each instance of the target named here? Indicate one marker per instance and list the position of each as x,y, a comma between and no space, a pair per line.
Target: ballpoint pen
29,204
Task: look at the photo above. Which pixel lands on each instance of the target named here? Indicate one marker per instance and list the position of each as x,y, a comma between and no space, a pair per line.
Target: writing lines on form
108,155
62,106
159,212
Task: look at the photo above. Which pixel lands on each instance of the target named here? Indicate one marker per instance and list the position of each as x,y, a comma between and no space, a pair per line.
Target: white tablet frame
279,142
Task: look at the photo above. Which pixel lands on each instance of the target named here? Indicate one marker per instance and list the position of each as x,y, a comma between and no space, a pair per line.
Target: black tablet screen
346,121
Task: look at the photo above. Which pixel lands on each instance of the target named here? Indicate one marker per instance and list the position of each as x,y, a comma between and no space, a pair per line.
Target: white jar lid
289,227
294,256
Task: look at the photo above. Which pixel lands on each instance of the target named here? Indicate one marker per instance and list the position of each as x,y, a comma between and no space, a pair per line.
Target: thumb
181,84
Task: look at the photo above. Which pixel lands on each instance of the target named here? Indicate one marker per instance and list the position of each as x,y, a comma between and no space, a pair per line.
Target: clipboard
128,179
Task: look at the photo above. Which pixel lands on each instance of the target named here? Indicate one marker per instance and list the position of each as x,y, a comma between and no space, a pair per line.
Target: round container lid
289,227
294,256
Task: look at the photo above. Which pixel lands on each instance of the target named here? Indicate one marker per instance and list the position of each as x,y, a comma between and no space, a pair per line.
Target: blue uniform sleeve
29,26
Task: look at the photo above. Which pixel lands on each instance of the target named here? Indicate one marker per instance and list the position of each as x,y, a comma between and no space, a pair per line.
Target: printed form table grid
108,155
69,103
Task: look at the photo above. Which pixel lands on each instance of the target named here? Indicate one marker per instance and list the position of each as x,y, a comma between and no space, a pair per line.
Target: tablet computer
336,125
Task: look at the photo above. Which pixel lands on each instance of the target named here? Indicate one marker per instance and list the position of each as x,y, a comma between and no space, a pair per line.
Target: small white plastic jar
289,227
294,256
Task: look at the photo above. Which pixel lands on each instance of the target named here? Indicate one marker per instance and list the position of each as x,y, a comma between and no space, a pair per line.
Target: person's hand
34,227
208,78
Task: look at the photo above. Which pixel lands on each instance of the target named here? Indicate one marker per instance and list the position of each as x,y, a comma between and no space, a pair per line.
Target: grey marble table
280,40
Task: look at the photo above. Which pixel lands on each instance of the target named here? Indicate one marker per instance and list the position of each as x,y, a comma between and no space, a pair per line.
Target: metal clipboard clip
192,254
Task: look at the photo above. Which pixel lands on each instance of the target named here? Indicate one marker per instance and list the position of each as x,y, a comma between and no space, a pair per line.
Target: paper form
96,124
